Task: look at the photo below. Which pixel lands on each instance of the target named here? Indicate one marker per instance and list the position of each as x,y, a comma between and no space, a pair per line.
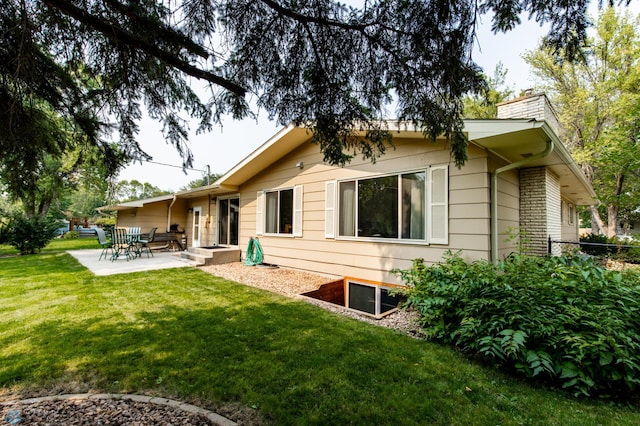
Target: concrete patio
160,260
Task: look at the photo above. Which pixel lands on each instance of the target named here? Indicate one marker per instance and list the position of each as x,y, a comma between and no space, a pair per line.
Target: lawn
188,335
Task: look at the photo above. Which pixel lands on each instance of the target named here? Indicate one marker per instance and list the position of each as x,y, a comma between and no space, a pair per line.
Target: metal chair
144,243
120,244
105,244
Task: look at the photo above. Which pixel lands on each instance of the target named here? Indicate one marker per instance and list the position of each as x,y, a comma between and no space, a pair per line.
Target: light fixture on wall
300,164
190,210
213,200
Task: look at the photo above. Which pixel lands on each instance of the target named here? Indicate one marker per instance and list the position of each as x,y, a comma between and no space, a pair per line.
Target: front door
228,221
197,216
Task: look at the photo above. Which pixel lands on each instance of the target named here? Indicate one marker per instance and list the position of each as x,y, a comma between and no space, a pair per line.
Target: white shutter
259,213
297,211
438,201
330,209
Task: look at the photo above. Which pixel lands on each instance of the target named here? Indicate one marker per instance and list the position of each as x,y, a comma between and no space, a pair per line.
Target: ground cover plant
564,321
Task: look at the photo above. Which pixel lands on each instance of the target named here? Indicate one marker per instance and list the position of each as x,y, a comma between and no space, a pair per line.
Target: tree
485,103
131,190
320,63
598,100
208,179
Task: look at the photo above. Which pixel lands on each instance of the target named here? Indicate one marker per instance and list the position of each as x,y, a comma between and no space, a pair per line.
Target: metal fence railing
557,247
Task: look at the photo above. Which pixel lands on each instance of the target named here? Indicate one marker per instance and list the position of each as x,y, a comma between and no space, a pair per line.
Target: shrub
563,320
616,249
27,234
71,235
595,250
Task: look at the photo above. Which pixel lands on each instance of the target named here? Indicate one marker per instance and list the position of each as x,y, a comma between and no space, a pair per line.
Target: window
279,211
572,214
393,207
373,300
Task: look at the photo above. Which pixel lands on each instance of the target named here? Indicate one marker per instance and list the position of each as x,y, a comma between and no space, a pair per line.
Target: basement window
371,299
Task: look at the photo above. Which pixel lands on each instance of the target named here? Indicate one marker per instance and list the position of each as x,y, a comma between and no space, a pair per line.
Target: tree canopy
95,65
598,100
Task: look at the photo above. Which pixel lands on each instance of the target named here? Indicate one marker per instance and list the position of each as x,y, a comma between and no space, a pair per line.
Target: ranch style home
362,221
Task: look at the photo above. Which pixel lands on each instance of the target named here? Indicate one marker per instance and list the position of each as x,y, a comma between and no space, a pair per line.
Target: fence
557,248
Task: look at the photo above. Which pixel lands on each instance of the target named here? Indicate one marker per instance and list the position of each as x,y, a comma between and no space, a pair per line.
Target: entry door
229,214
197,216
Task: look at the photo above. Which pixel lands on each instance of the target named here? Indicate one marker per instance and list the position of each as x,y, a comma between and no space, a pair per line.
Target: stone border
210,415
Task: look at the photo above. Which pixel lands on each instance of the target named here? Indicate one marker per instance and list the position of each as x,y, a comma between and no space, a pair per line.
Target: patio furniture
121,245
105,244
133,238
144,243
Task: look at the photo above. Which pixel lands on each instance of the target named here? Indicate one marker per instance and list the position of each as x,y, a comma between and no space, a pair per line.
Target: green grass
59,244
188,335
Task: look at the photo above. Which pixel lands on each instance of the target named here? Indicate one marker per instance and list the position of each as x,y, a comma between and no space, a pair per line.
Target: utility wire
177,167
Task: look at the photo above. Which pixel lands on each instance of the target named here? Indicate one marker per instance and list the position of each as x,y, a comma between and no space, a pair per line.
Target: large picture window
383,207
409,206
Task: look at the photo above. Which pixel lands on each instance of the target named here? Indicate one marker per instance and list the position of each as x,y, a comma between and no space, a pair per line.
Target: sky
226,146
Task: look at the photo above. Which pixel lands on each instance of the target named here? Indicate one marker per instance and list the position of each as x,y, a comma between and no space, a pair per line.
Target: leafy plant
27,234
71,235
563,320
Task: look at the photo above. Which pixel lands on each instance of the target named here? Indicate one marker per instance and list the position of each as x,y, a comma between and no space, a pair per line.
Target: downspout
494,194
169,213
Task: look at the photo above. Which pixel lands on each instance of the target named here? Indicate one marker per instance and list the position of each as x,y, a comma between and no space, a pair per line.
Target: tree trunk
597,225
612,220
614,209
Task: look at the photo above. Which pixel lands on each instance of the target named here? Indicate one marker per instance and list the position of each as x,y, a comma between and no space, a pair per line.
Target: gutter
169,212
494,193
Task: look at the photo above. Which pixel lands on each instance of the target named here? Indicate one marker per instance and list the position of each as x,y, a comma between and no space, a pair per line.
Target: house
364,220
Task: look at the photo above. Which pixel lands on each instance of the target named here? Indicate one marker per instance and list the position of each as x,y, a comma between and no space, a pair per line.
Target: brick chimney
530,105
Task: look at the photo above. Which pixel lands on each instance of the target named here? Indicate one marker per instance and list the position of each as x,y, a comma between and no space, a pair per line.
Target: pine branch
118,34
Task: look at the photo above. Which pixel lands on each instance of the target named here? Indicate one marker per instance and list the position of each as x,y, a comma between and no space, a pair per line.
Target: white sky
224,147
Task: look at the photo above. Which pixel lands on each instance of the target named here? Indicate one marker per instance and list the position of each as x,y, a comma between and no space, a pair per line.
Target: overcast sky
225,147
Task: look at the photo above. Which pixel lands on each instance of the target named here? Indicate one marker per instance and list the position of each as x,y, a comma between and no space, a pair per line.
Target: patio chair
144,243
105,244
120,244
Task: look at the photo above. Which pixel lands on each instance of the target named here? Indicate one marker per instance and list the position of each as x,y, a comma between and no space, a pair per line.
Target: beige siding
370,260
508,213
208,221
152,215
569,226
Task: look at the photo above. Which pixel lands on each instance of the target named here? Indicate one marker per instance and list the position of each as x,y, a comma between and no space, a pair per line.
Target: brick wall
540,205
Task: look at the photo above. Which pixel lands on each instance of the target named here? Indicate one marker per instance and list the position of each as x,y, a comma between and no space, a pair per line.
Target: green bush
27,234
595,250
563,320
71,235
616,249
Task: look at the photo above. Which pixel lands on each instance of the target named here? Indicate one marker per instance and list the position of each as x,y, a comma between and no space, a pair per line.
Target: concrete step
212,256
198,259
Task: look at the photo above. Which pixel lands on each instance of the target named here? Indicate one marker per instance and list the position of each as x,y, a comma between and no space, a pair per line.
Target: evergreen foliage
82,68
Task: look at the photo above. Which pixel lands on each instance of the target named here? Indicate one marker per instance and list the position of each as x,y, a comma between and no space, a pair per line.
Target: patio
160,260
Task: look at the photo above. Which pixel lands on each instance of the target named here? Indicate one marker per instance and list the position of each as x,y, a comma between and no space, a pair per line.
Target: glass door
195,238
228,218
